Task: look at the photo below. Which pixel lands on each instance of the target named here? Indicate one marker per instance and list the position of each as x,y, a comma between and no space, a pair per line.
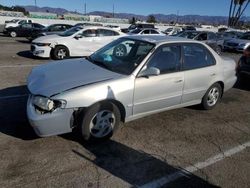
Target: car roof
157,39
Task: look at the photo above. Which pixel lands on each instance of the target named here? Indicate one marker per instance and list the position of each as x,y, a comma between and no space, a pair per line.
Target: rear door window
196,56
89,33
106,33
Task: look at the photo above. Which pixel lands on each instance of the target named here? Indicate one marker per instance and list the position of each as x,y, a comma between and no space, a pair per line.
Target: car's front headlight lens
47,104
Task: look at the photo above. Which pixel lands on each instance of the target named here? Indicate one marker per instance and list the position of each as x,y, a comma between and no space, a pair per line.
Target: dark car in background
238,44
189,28
243,69
138,26
50,30
230,34
24,30
207,37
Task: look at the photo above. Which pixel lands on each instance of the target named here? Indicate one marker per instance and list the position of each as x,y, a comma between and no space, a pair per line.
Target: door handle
213,74
178,81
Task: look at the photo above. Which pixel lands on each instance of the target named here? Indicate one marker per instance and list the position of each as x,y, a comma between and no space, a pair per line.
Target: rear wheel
100,121
13,34
212,97
60,52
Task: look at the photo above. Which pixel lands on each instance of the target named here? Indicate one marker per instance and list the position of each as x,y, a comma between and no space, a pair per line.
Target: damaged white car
127,79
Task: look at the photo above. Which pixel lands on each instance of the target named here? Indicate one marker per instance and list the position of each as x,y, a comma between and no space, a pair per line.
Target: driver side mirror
151,71
78,36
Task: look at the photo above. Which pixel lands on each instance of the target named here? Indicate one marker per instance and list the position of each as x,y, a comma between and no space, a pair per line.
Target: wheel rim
120,52
102,123
213,96
61,54
13,34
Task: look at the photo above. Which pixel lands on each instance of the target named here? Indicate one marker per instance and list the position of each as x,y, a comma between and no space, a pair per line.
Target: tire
60,52
13,34
109,118
218,50
120,51
212,97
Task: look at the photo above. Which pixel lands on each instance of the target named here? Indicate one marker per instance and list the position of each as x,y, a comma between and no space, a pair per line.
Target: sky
141,7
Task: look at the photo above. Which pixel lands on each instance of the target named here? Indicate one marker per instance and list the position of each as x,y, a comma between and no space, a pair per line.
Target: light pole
85,9
113,10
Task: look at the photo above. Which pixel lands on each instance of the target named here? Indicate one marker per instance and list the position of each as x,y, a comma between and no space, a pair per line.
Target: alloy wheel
213,96
102,123
61,54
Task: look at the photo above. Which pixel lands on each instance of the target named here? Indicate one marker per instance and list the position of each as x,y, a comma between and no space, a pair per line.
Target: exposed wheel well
222,87
79,114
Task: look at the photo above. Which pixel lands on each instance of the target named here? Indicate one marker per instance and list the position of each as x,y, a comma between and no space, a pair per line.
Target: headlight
242,45
42,44
47,104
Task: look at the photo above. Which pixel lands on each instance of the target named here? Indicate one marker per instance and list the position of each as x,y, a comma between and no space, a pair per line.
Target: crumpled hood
49,39
55,77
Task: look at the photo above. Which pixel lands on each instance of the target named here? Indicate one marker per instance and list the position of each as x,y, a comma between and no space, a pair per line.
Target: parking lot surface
187,147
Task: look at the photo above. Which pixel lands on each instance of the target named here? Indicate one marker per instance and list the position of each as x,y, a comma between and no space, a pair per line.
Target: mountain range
195,19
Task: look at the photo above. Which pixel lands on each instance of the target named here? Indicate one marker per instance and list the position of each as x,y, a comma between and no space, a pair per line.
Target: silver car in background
127,79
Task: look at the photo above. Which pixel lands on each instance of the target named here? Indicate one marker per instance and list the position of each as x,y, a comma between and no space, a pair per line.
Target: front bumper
40,51
57,122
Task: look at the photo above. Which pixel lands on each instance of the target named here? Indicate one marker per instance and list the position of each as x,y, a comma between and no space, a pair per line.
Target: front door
164,90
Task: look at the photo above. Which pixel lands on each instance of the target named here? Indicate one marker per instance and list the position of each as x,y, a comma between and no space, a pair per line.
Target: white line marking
198,166
14,66
13,96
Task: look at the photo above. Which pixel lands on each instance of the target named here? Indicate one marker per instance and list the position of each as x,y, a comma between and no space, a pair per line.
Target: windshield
189,35
70,31
122,56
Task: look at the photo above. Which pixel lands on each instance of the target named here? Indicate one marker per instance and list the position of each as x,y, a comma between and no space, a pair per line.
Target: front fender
84,96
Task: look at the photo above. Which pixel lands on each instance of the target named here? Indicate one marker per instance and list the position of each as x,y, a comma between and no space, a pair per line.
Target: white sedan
75,42
153,74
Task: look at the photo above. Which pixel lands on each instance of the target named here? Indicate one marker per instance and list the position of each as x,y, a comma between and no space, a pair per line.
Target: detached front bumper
39,51
54,123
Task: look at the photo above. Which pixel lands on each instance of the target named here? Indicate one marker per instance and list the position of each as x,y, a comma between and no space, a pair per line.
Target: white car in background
146,31
17,22
75,42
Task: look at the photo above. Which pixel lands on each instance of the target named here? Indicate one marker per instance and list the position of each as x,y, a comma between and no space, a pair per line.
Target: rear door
200,71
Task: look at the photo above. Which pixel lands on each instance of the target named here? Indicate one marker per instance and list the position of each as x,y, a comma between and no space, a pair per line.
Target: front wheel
212,97
60,52
100,121
13,34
